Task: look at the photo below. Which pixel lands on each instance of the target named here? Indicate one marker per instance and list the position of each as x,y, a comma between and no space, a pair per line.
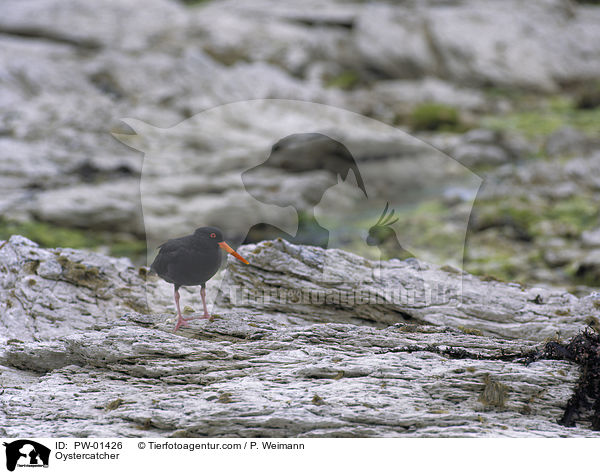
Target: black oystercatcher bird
191,261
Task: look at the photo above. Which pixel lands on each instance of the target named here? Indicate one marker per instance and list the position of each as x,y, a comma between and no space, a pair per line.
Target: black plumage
191,261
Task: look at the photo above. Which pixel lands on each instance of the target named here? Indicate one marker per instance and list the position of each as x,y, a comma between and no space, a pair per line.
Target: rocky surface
199,94
361,291
244,376
105,370
46,293
181,186
72,71
542,218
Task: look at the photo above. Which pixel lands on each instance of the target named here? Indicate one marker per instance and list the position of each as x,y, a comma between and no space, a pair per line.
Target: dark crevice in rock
407,317
88,172
347,24
519,232
584,350
458,353
45,35
107,84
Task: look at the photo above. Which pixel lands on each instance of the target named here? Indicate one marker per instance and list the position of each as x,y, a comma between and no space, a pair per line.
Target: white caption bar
309,455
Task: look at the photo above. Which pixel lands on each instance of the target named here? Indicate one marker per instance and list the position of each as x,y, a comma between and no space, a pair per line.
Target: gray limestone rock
244,376
47,293
70,69
283,277
77,361
567,141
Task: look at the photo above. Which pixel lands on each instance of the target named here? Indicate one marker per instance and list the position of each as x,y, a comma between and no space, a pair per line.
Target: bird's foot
181,322
185,321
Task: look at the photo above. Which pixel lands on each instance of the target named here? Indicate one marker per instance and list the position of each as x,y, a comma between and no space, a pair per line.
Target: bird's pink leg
203,294
180,320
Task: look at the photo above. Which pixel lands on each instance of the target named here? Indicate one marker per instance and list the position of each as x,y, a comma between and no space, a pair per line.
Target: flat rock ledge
287,278
253,372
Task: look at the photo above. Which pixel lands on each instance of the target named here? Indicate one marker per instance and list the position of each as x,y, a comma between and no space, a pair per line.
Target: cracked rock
93,366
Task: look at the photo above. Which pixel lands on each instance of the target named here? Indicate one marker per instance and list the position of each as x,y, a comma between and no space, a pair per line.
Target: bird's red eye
213,235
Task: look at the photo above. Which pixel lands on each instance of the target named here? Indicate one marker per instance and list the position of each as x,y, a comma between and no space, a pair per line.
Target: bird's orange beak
226,247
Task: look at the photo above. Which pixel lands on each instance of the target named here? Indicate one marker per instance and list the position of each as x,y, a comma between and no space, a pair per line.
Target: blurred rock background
510,89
